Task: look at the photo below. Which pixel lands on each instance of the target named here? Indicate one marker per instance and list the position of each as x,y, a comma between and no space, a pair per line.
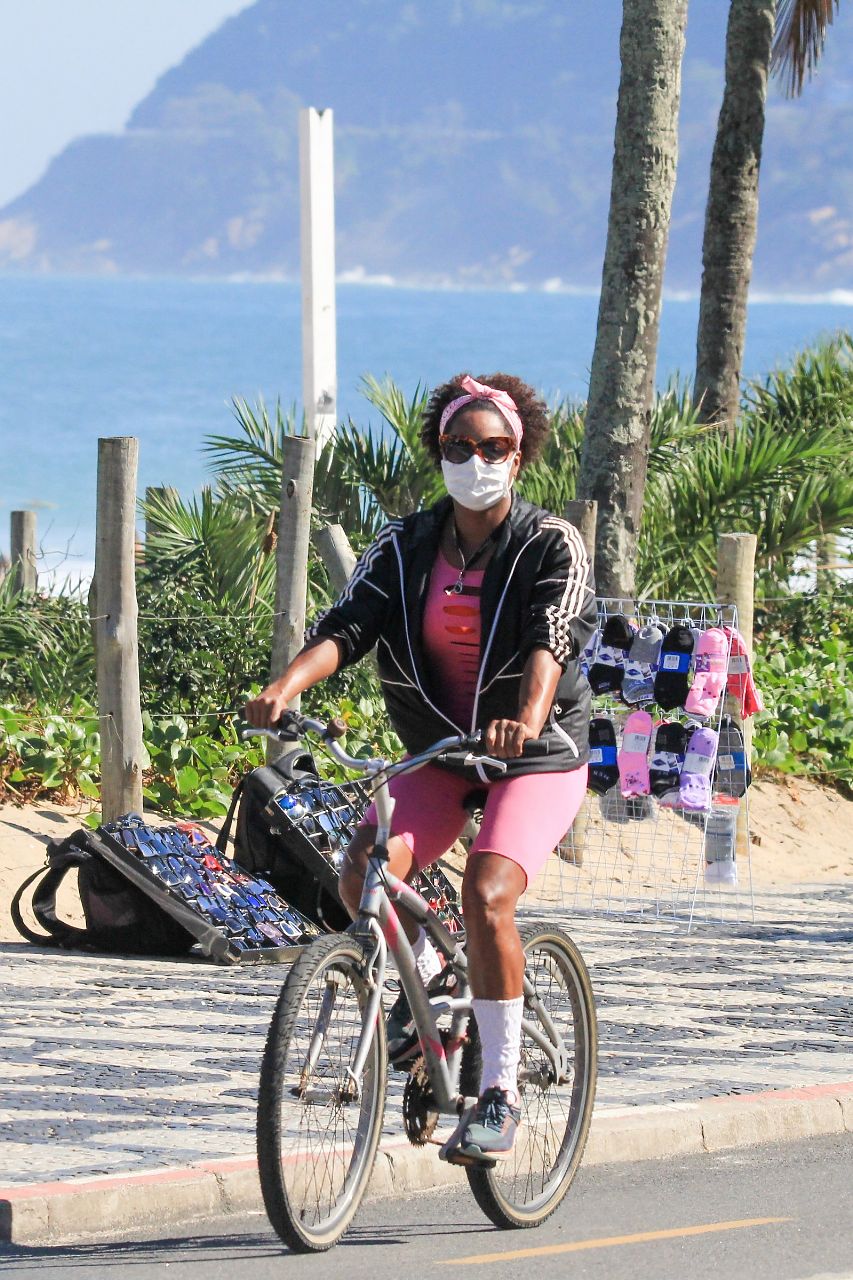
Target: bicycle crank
419,1115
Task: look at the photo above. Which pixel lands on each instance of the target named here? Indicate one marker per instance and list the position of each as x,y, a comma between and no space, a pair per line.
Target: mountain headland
473,138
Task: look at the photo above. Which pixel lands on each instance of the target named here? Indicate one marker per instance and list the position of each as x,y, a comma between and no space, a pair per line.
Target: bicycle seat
475,801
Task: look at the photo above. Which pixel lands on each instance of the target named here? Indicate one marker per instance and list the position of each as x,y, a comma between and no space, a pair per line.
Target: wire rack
637,857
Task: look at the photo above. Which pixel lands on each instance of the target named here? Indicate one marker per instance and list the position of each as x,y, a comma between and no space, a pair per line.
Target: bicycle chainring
419,1117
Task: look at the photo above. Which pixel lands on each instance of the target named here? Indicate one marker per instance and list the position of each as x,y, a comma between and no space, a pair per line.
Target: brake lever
274,734
500,765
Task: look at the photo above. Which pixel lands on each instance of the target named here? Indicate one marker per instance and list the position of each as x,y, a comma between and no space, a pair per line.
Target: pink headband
479,391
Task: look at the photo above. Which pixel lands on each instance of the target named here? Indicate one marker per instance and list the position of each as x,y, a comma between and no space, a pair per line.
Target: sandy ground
800,834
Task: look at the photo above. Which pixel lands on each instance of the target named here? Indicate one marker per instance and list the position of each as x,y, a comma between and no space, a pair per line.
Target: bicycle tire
316,1143
525,1188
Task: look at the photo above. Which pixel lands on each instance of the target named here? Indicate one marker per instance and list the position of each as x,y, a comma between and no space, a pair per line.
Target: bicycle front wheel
318,1133
527,1186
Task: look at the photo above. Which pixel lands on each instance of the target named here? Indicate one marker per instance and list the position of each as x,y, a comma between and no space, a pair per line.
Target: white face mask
478,485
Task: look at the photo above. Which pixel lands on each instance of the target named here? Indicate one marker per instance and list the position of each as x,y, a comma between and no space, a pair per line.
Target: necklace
456,589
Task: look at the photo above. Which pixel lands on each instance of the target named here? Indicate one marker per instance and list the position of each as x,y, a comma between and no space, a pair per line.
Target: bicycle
322,1087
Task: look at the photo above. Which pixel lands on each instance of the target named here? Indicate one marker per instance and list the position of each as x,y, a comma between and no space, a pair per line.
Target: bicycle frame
379,923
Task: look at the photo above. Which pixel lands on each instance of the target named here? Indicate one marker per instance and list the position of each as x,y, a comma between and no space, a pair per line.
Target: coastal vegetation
206,581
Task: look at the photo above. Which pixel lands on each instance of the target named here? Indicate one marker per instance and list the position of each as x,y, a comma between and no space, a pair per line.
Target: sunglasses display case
316,820
234,916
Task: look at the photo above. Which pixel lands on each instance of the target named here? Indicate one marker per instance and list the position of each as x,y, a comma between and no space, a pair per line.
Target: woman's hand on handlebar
265,711
505,739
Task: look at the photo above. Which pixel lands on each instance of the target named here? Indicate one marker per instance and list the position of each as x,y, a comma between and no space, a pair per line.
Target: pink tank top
451,640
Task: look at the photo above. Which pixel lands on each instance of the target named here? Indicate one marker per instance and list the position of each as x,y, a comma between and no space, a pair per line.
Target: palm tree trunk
616,438
731,215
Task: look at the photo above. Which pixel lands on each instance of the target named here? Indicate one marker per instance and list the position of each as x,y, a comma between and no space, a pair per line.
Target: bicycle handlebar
293,725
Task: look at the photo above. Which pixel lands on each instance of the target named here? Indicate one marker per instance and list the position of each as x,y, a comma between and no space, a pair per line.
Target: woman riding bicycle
479,607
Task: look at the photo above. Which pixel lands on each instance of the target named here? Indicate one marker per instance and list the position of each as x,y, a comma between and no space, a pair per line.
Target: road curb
53,1212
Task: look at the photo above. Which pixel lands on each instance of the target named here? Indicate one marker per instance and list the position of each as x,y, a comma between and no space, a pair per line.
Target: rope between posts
251,618
247,617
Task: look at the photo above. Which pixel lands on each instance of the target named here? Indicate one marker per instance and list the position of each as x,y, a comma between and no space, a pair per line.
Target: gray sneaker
403,1042
487,1132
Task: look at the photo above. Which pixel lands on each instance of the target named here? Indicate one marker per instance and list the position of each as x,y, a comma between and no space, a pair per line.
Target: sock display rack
664,827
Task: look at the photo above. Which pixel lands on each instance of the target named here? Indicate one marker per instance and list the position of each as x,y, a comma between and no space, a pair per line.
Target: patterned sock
633,761
740,682
588,655
710,664
603,770
638,684
695,785
608,669
427,960
732,774
667,760
671,680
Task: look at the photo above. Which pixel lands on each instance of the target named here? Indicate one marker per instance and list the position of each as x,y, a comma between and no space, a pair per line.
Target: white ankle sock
427,959
499,1025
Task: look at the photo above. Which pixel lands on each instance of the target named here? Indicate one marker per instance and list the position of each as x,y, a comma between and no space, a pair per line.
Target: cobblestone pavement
110,1065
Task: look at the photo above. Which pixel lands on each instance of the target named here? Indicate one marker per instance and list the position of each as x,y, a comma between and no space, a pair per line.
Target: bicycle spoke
524,1189
316,1138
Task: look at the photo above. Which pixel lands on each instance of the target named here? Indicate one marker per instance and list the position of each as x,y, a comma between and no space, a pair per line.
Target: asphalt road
782,1212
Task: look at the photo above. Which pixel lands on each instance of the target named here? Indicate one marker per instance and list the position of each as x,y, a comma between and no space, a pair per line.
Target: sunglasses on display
461,448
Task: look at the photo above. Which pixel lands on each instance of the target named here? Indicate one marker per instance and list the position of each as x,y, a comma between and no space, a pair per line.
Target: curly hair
532,411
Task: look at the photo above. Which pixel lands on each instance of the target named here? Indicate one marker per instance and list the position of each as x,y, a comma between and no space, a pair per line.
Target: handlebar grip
536,747
336,728
289,720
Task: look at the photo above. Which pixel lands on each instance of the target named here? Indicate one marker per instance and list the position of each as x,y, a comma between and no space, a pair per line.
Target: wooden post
337,555
123,755
317,227
582,513
736,585
23,550
152,493
291,579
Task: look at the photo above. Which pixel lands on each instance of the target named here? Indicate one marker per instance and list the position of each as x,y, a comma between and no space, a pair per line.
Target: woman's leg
401,863
490,892
524,819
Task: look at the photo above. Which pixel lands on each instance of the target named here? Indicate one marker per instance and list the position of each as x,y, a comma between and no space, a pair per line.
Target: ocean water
161,359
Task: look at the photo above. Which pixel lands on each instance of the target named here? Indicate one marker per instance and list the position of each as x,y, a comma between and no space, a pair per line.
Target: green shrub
803,668
45,751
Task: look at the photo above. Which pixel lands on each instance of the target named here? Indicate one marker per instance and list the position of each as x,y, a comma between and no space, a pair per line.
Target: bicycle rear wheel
525,1188
317,1136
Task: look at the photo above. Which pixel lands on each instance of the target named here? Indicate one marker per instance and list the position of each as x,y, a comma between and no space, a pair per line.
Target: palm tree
783,474
731,214
801,27
621,388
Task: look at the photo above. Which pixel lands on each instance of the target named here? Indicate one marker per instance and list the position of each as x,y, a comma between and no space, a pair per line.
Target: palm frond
551,481
801,27
215,546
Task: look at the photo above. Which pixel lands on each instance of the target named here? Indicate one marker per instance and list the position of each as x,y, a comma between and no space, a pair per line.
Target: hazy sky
69,67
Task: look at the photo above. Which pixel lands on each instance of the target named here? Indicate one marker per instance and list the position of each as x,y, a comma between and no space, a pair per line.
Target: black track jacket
537,592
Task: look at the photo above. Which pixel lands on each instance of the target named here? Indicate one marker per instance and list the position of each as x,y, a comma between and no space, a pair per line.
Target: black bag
306,878
292,828
157,891
118,915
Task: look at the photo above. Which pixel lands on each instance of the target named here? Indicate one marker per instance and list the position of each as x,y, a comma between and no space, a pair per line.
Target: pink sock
740,683
710,659
633,758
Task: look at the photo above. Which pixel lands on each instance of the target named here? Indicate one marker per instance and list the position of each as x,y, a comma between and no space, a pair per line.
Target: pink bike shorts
525,816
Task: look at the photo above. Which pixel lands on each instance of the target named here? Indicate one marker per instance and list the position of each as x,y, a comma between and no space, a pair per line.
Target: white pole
317,204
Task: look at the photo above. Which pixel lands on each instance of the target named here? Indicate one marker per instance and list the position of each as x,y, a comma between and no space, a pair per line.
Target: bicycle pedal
467,1162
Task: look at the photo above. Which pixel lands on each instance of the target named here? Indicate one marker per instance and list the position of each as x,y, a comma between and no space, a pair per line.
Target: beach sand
800,834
